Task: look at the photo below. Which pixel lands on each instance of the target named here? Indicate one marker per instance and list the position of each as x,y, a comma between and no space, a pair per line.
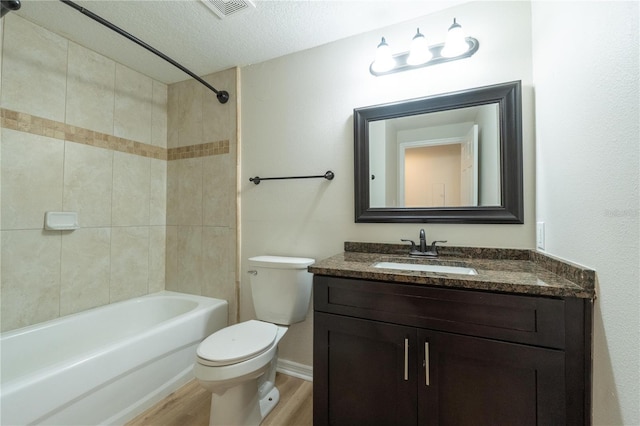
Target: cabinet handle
406,358
426,363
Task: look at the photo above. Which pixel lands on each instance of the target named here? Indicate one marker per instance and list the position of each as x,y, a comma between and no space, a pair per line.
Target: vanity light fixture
419,52
457,46
384,61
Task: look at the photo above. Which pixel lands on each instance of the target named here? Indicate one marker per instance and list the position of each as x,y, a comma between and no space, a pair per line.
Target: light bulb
419,52
456,44
384,61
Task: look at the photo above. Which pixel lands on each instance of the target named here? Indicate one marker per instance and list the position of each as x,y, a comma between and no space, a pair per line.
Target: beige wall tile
129,263
30,277
219,191
157,257
159,115
88,183
85,270
173,119
34,69
219,266
31,178
133,105
40,174
190,259
220,123
131,174
158,192
171,261
172,192
90,90
189,114
184,192
125,202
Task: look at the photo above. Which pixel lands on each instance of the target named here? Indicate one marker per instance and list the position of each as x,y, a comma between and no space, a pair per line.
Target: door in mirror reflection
441,159
440,173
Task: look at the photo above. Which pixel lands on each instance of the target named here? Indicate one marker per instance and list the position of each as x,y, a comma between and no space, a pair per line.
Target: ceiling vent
225,8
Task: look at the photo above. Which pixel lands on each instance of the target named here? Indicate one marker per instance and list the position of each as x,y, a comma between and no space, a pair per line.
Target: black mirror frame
511,211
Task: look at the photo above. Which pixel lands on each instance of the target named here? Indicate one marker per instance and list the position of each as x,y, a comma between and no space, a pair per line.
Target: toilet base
237,406
247,403
269,401
240,406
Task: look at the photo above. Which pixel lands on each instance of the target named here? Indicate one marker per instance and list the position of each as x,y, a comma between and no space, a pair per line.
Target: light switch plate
540,235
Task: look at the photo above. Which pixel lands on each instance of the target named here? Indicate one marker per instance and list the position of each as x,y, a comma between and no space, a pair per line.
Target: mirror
449,158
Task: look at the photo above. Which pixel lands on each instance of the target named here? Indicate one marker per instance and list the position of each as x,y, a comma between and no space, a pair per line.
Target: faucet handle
434,248
413,244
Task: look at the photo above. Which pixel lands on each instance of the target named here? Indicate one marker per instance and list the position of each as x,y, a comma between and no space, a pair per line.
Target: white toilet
238,363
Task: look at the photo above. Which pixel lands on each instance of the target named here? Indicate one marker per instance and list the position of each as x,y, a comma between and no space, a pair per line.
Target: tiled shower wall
201,189
83,133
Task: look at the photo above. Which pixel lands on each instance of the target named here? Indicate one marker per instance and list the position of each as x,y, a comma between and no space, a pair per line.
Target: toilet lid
237,343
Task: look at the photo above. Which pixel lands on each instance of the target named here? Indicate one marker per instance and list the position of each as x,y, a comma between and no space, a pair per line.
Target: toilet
238,363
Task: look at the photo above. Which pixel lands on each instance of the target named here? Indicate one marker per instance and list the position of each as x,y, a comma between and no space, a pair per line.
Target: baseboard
295,369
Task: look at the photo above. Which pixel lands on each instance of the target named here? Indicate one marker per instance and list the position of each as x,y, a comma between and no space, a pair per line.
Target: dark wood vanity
510,345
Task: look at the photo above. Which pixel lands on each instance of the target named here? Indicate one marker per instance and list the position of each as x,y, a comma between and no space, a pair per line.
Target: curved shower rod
7,6
222,95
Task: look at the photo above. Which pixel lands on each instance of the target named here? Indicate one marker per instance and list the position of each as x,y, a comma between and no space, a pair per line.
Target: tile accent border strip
202,150
27,123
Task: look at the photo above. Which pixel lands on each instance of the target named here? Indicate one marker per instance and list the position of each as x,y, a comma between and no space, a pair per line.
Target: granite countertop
499,270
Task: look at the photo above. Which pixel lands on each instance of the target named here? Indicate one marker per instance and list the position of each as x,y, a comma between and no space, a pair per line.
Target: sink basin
445,269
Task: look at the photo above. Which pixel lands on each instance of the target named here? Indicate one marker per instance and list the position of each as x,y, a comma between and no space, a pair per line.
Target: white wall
586,77
296,115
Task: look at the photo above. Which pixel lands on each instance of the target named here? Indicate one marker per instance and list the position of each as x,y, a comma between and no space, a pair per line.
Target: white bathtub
105,365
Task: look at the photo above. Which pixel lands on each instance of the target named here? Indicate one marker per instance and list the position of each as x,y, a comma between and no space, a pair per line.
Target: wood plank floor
189,406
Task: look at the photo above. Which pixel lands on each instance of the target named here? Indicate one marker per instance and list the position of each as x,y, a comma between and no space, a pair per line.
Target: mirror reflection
441,159
448,158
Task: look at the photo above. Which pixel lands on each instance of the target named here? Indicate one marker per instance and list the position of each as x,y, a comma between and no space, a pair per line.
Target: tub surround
516,271
149,167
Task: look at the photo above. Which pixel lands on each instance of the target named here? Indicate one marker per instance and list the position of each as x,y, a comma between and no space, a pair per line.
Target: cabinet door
475,381
365,372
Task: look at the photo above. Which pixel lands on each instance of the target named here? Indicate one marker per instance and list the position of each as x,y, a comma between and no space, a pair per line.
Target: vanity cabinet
364,372
400,354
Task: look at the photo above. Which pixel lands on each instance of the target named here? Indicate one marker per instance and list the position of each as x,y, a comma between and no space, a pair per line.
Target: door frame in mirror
509,99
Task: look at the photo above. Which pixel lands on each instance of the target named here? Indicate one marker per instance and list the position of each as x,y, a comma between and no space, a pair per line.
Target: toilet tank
281,288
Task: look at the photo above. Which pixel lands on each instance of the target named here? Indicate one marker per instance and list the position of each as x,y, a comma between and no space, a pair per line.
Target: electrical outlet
540,235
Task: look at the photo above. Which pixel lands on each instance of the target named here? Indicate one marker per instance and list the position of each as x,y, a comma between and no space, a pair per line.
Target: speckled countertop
499,270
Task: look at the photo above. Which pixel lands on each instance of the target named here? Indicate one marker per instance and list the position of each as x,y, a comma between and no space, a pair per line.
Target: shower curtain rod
7,6
222,95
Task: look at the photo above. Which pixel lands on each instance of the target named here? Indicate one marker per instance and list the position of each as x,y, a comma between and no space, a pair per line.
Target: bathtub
105,365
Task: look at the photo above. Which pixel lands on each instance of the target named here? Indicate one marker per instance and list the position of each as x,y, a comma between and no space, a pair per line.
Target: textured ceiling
190,33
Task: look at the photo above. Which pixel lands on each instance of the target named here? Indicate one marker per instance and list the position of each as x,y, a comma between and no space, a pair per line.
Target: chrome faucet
432,251
423,241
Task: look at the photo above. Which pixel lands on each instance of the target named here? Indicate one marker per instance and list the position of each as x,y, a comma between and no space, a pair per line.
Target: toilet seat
237,343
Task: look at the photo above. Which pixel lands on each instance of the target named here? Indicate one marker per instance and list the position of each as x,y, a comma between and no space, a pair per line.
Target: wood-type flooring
189,406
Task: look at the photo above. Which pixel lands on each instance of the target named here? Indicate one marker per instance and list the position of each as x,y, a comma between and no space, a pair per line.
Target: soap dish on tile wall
61,221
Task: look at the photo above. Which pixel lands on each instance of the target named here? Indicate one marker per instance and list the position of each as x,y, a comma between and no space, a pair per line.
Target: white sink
426,268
